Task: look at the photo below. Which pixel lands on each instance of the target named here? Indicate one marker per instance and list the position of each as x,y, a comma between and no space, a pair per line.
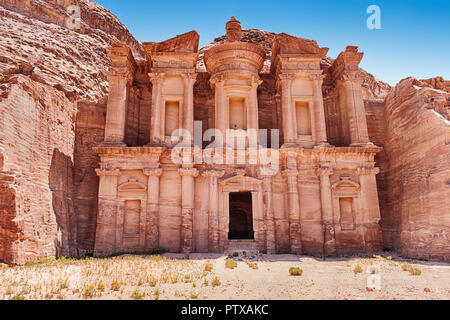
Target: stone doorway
241,216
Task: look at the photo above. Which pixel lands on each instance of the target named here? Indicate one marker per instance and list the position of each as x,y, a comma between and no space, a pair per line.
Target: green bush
208,267
295,271
230,264
357,269
414,271
216,282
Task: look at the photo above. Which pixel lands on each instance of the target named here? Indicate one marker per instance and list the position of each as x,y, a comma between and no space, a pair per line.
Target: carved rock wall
49,191
37,132
415,218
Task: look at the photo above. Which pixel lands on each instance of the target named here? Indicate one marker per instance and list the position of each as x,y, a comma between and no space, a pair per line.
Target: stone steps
243,248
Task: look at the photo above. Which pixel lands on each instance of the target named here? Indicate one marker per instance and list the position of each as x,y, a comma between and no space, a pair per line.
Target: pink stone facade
320,198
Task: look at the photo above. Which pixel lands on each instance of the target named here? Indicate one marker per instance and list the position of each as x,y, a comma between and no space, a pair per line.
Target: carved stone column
329,240
269,219
116,111
213,210
156,130
252,113
369,196
105,235
319,110
222,119
351,82
369,192
187,207
188,119
288,112
291,174
152,223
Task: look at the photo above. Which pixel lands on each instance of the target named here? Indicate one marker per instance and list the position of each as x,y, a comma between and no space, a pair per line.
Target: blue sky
414,39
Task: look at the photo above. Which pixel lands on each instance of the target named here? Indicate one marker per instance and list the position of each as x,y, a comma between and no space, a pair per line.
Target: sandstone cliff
415,214
47,183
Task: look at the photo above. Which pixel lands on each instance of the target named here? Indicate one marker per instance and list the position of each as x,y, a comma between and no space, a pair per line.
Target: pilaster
288,112
156,130
319,109
269,219
291,174
105,236
329,240
213,215
152,223
187,207
188,119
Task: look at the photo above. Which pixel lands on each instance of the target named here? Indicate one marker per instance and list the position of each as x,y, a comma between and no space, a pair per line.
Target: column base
288,145
362,144
112,144
322,144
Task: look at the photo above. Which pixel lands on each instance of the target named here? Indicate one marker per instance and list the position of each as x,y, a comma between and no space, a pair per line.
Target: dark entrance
241,216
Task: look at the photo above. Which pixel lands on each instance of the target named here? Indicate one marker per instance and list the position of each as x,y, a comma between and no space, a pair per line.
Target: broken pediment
184,43
287,44
240,182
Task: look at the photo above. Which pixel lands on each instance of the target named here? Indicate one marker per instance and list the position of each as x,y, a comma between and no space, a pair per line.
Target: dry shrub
295,271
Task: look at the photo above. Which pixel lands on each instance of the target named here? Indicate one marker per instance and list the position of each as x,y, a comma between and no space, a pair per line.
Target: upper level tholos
309,104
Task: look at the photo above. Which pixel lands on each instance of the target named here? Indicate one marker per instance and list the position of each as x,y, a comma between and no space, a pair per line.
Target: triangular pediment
184,43
287,44
240,180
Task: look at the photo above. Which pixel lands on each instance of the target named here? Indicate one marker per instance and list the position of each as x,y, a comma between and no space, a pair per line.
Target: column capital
213,173
349,76
324,171
316,77
290,173
217,80
156,78
154,172
190,77
256,81
119,74
267,172
362,171
102,172
188,172
285,77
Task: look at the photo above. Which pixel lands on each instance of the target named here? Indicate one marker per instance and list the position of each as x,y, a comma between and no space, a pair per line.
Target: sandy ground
172,277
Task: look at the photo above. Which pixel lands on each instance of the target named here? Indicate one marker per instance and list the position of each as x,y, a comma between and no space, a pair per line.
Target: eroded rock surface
415,214
46,69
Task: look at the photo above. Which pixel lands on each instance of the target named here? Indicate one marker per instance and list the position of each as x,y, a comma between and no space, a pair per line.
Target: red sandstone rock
48,185
415,212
